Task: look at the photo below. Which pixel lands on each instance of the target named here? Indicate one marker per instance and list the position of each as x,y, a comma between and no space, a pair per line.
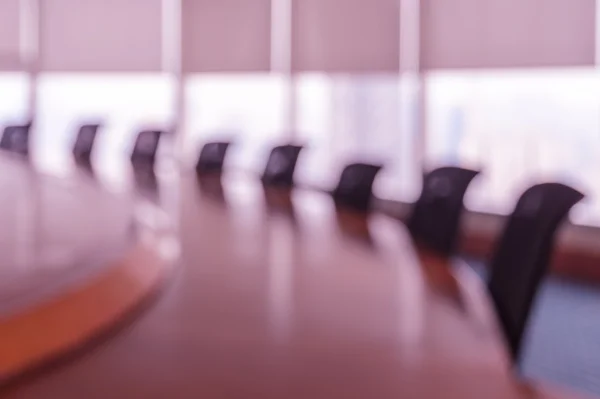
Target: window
125,103
350,118
519,127
14,101
248,109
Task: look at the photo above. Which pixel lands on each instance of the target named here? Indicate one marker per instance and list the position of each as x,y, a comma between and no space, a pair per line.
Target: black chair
281,165
84,144
145,148
15,138
355,187
435,218
523,255
212,157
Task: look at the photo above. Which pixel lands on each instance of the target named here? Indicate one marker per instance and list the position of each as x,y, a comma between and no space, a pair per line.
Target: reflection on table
277,297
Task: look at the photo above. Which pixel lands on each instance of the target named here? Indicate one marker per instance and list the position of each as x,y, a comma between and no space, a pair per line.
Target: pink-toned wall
9,27
101,35
327,35
507,33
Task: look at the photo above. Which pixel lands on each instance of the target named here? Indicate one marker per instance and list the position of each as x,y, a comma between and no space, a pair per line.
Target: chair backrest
281,165
15,138
435,218
522,256
84,143
355,186
212,157
145,147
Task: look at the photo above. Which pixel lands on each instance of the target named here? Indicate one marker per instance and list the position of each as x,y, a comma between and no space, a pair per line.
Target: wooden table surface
75,259
280,295
54,233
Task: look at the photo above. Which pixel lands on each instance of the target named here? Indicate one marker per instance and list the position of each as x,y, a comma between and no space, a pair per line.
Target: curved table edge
71,321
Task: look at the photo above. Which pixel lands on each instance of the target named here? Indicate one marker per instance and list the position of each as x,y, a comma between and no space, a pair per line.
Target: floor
563,341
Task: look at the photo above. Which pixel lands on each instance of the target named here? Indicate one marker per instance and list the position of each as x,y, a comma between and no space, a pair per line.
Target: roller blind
226,35
507,33
9,33
345,35
101,35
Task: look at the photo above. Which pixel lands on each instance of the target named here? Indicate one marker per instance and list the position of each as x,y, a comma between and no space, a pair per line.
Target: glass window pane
248,109
126,103
345,119
14,98
520,128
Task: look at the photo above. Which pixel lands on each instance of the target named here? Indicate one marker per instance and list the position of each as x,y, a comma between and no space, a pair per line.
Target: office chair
145,148
523,255
212,157
15,138
281,165
355,186
434,221
84,144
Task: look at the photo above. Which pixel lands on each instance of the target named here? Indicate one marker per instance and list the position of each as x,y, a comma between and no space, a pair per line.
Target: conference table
277,293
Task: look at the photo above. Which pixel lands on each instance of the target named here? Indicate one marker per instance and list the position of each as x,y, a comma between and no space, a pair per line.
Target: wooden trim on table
66,323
